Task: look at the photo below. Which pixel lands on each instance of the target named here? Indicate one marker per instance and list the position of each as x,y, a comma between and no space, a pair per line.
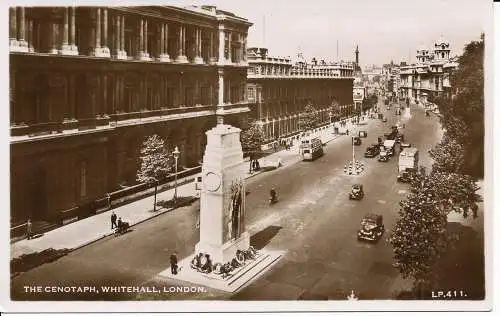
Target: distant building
430,75
278,89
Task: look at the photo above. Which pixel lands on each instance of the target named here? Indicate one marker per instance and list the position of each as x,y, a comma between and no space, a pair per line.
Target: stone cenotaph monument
222,199
223,258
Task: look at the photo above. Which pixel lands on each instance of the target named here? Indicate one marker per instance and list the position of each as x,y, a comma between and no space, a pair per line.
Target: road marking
382,201
402,191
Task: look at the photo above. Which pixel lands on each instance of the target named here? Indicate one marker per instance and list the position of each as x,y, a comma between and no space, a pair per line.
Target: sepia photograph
314,152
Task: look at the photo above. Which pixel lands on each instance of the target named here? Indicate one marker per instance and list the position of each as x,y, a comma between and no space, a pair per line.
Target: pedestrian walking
108,197
29,229
113,220
173,263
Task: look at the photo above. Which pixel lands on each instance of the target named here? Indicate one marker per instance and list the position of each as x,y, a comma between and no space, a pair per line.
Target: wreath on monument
202,262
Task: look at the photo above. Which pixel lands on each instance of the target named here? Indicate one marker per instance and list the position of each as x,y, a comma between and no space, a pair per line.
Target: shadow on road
262,238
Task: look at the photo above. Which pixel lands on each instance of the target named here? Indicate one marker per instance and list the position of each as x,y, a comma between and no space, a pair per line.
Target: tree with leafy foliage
309,119
463,113
334,111
420,237
155,162
252,139
448,155
370,101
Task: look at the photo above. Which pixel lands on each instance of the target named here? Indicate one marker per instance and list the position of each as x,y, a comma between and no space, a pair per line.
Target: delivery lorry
390,147
408,159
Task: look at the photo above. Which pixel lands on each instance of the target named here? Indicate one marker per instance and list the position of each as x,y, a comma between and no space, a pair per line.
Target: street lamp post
176,154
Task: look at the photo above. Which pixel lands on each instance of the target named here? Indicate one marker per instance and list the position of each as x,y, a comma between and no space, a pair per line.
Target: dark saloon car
372,227
372,151
384,156
357,192
356,140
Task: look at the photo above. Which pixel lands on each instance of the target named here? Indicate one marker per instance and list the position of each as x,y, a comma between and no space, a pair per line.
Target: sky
384,30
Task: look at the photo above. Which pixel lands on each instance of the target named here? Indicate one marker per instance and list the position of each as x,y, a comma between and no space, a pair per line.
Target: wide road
314,222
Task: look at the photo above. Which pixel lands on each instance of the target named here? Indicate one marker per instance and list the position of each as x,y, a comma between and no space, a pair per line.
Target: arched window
442,55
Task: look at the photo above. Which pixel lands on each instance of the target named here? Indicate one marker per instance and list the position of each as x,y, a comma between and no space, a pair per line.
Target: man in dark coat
113,220
173,263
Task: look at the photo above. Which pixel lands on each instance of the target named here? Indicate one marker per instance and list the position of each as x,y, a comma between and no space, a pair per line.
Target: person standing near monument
29,229
173,263
113,220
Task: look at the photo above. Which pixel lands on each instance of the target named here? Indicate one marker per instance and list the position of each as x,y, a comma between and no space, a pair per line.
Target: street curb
158,213
155,215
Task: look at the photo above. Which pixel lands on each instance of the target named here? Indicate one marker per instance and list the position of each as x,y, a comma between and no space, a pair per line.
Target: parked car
372,227
357,140
383,156
363,134
372,151
357,192
400,138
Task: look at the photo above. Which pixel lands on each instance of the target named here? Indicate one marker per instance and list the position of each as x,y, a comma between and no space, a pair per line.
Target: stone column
222,41
229,50
244,49
72,37
212,53
98,50
13,27
144,28
105,48
65,48
162,39
182,58
116,36
53,38
21,39
184,40
198,59
141,38
164,57
123,53
220,100
31,49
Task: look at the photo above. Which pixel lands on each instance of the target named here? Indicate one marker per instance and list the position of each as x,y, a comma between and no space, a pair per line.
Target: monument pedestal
226,252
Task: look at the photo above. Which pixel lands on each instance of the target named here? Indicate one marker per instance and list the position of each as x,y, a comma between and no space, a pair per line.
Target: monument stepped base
236,280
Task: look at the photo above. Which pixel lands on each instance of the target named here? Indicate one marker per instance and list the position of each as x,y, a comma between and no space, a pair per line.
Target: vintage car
384,119
372,227
372,151
363,134
406,176
357,192
383,156
400,138
405,145
356,140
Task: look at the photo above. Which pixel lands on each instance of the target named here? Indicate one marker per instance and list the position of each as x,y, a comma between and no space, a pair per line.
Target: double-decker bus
312,148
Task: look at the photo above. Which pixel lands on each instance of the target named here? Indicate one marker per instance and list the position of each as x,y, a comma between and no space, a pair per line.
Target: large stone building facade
279,89
88,84
430,75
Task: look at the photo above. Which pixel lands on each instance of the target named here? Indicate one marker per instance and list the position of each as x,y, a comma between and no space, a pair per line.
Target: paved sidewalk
91,229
